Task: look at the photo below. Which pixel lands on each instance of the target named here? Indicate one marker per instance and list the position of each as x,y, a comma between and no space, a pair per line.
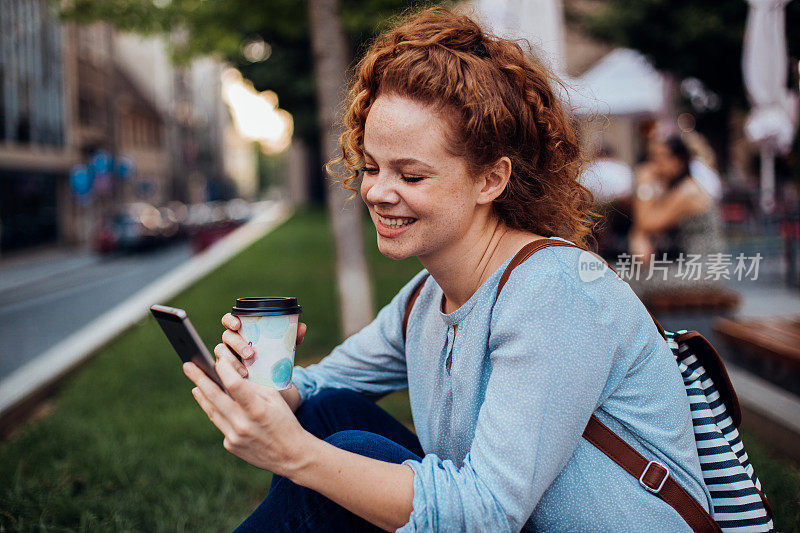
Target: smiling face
422,199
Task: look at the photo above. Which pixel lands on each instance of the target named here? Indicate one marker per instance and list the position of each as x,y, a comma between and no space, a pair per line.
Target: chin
391,251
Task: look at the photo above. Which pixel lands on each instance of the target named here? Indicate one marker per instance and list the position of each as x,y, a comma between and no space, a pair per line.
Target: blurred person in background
703,164
674,212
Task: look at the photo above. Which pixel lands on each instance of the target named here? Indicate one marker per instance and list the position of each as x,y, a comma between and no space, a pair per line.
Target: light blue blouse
502,429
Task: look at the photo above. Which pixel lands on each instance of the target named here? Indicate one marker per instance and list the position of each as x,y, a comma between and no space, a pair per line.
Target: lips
395,222
390,227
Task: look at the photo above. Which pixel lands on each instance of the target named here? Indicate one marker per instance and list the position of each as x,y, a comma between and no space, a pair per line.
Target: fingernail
248,351
242,372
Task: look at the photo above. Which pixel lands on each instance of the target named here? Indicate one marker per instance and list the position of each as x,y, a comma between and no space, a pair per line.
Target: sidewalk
21,387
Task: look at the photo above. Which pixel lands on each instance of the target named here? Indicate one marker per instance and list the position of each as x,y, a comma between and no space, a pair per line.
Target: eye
369,170
412,179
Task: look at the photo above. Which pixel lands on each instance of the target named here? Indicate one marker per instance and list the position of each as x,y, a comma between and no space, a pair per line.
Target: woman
673,209
465,156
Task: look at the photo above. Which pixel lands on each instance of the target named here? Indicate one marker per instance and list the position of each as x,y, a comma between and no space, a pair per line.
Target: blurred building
113,119
36,142
78,99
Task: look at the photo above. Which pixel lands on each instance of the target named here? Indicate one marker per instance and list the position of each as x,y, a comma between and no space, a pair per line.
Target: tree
221,27
309,84
688,38
330,63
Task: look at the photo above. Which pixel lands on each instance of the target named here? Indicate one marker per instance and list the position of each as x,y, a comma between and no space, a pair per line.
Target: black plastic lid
266,305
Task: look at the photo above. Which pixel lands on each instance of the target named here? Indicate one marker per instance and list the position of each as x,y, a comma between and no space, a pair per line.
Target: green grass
780,481
124,446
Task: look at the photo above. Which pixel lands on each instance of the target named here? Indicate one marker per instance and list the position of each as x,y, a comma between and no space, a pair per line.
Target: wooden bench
692,299
774,338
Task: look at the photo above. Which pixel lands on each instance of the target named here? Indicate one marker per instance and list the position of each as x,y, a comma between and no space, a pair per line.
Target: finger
221,350
237,343
246,393
231,322
217,418
301,333
223,403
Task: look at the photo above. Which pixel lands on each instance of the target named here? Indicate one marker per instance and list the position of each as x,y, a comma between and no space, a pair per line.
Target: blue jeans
348,421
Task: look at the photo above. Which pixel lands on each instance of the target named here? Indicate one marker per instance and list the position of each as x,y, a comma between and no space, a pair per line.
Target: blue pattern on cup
250,329
282,372
274,327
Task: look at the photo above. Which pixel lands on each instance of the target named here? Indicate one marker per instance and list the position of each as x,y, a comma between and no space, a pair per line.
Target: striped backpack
738,503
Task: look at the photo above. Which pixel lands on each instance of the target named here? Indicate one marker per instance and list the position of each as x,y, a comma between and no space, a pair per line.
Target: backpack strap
520,257
652,475
527,251
533,247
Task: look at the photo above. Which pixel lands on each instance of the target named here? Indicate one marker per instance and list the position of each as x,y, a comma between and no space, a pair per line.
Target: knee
371,445
332,396
327,400
356,441
327,396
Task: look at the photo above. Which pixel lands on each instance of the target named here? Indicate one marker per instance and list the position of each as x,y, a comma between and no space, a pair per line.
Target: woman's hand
258,425
232,342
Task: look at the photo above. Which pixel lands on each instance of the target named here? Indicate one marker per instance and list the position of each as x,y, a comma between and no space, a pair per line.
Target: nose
379,189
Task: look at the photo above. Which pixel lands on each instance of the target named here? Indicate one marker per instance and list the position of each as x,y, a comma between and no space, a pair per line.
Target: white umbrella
541,22
623,82
773,117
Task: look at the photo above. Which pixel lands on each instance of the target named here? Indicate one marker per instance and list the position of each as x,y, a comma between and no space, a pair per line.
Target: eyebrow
404,161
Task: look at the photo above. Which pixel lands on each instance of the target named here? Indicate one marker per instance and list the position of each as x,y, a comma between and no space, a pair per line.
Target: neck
461,268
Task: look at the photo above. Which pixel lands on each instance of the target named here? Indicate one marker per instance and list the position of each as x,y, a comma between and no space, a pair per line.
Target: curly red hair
500,102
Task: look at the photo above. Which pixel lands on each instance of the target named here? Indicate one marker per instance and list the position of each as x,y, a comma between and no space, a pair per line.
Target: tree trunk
330,64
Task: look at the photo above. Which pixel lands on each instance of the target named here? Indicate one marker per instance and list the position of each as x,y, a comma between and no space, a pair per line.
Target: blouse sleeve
371,362
551,357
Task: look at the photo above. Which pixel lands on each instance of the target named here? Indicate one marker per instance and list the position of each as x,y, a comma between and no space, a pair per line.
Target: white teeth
395,222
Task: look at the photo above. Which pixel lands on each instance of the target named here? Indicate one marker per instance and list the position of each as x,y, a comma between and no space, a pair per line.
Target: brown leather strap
410,304
653,476
650,474
527,251
656,322
533,247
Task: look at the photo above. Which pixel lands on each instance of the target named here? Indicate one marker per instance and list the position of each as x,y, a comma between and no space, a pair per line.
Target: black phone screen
185,340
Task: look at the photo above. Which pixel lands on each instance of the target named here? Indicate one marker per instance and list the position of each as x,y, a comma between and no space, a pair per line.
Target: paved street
46,298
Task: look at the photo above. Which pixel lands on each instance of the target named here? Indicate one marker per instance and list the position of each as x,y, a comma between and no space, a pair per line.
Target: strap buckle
646,485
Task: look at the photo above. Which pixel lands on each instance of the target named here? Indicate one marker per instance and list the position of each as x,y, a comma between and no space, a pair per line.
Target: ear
493,182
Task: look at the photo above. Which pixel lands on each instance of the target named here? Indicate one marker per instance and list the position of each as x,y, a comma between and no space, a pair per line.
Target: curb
772,413
24,384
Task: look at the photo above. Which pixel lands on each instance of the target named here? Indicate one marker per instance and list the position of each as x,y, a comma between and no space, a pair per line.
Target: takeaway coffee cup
269,325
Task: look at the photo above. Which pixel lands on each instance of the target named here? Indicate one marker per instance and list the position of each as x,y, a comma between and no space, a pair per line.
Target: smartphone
185,340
